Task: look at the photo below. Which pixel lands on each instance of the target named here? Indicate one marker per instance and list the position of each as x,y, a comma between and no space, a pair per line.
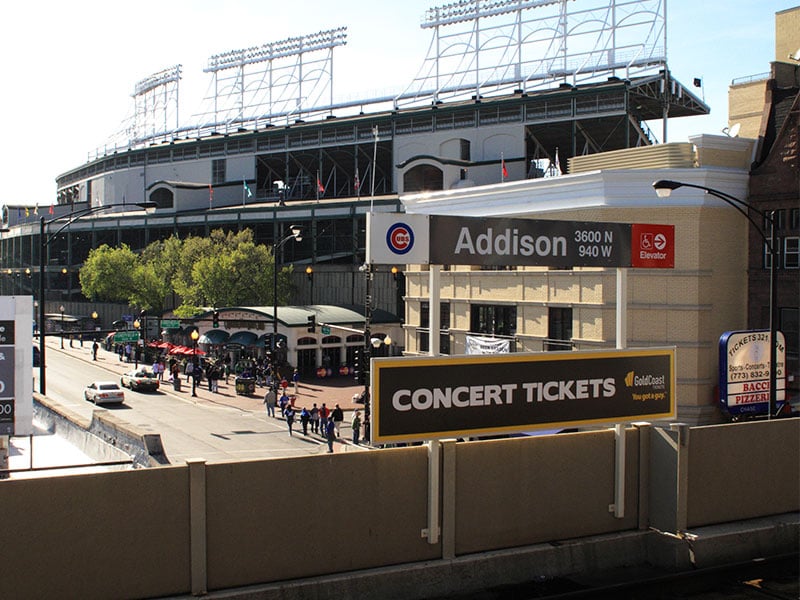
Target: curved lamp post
295,233
664,187
44,242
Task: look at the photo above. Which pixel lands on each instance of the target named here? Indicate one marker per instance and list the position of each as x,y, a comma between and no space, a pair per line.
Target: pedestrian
295,380
95,348
338,419
189,370
283,403
356,423
305,417
289,414
314,419
270,399
324,413
330,433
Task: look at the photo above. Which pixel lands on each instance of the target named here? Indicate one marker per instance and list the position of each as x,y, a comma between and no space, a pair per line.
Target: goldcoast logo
629,379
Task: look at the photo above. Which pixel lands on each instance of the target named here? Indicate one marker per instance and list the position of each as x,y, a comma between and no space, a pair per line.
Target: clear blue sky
70,67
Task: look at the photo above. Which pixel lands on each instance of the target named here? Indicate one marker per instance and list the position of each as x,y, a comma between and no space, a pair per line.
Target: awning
243,338
214,336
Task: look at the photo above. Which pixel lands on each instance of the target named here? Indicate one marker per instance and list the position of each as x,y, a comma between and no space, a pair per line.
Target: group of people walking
322,420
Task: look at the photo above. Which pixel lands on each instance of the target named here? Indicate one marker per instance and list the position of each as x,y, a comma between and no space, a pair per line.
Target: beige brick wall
746,104
787,33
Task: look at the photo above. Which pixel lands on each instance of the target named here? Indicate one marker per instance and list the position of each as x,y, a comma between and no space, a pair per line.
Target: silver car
104,392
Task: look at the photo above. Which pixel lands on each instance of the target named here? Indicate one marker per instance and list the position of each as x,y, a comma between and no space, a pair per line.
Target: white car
104,392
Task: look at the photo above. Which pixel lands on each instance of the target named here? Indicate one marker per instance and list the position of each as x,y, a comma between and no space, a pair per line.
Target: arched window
423,178
163,197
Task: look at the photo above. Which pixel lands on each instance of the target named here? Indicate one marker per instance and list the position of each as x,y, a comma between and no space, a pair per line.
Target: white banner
486,345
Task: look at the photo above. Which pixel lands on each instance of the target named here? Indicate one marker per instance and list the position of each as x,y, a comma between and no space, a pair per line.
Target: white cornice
630,188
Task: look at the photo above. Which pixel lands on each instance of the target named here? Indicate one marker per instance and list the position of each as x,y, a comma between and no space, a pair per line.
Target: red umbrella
196,351
179,350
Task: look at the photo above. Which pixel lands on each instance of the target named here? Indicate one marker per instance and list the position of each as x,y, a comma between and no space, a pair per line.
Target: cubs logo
400,238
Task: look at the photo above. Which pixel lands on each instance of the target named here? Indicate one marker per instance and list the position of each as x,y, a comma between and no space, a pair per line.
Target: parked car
140,380
104,392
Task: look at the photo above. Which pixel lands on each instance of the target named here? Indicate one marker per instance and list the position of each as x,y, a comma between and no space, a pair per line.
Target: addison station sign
419,398
421,239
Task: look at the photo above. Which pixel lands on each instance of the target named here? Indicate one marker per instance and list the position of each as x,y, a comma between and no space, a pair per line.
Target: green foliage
223,269
107,274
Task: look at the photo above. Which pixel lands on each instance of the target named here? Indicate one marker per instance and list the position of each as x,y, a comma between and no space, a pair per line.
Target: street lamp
295,233
44,242
664,188
61,309
195,335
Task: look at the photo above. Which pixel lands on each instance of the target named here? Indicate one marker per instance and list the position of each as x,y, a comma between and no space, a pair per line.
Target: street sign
325,330
170,324
126,336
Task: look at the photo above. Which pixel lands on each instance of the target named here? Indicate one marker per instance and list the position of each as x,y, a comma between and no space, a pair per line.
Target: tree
108,273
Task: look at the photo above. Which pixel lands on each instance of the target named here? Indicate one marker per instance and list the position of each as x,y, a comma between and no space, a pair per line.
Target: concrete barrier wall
187,529
742,471
108,535
273,520
529,490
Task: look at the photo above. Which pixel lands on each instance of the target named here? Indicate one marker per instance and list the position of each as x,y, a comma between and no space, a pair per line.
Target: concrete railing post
197,525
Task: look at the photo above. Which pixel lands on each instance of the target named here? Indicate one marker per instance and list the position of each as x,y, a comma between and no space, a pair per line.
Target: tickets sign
419,398
745,373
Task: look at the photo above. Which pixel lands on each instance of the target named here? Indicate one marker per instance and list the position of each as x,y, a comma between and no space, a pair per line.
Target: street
215,427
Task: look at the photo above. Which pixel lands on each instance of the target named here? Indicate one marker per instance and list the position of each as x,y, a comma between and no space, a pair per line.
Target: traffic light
312,323
215,319
357,365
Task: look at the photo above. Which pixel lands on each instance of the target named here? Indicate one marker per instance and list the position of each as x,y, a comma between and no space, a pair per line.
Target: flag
210,194
27,212
320,187
36,209
503,166
247,189
558,164
697,82
357,182
50,210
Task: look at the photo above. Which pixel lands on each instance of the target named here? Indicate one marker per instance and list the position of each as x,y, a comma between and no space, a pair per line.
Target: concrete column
682,485
448,520
197,525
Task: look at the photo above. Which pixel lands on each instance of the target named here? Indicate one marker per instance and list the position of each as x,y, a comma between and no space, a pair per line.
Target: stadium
516,109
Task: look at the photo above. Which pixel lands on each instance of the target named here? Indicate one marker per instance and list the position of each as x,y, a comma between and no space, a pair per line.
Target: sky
71,66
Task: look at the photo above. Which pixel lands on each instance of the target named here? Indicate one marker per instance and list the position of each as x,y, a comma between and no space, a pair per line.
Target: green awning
214,336
243,338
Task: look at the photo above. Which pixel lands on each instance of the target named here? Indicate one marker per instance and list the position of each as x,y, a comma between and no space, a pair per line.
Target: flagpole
374,159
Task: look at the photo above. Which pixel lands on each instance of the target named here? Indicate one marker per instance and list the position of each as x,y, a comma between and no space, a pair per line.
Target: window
423,333
768,255
559,328
791,252
218,166
493,319
444,315
794,218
